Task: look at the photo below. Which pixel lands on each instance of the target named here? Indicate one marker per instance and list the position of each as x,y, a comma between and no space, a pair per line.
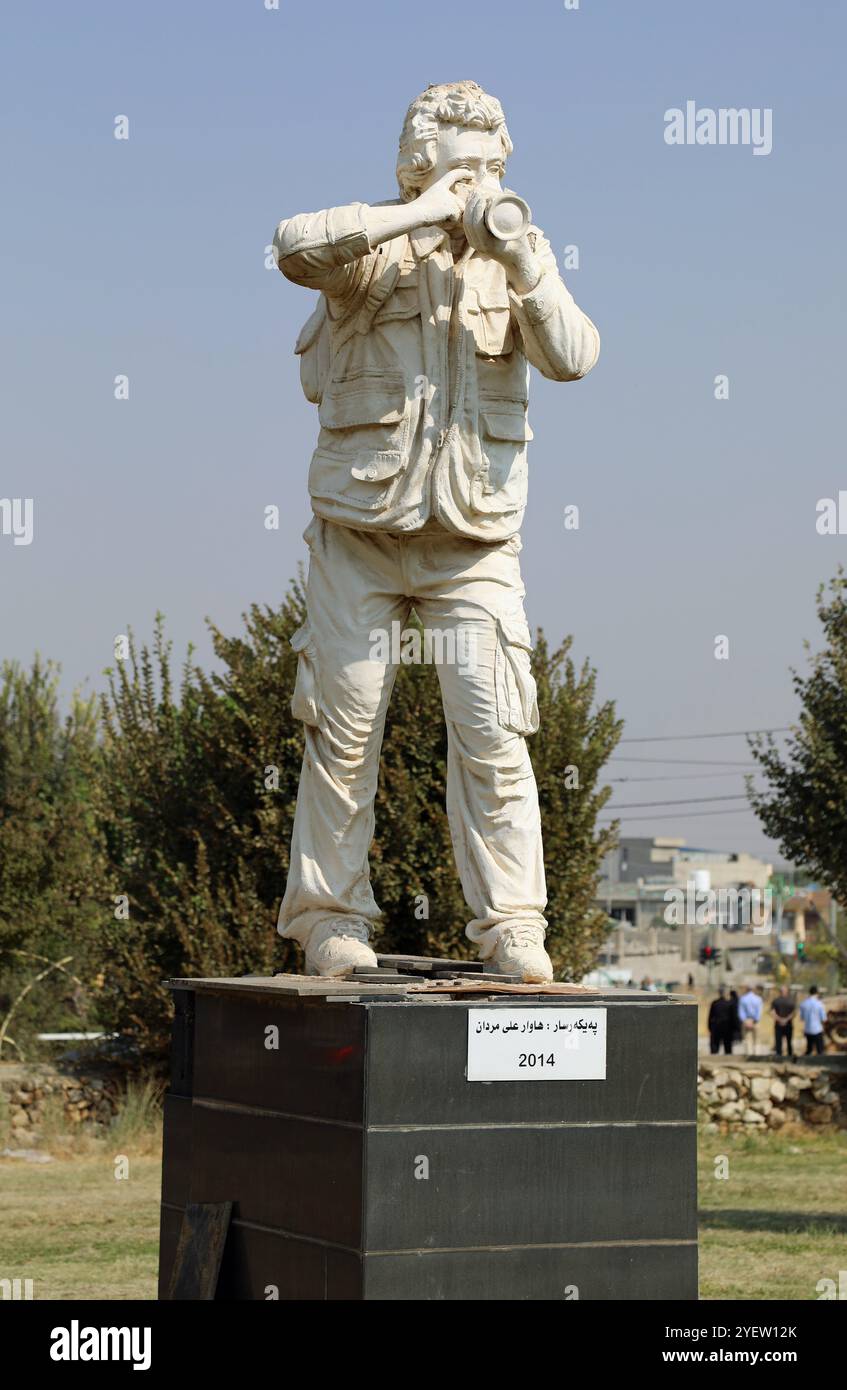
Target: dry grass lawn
76,1231
778,1223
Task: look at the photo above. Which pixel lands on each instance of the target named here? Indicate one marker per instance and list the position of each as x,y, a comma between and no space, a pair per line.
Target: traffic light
710,955
801,950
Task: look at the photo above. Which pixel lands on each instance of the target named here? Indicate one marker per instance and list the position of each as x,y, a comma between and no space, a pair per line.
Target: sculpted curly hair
448,103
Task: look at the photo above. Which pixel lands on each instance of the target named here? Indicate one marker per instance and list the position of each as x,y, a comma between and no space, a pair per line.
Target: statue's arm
326,250
329,250
559,339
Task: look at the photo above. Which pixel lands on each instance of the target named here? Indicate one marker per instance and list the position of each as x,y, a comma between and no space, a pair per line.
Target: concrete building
636,881
664,860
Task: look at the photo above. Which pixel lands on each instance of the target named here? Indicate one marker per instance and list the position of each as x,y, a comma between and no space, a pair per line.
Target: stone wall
740,1094
27,1090
733,1092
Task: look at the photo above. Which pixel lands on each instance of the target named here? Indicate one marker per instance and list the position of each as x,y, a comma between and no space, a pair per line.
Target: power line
687,815
692,762
686,801
682,776
684,738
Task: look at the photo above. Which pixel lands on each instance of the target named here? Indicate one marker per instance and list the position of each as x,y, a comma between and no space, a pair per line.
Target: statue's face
478,151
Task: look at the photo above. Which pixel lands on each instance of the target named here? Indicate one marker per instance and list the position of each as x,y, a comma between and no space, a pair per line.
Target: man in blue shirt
749,1013
813,1014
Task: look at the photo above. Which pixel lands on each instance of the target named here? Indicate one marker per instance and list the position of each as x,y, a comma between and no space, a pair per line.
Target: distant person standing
721,1023
813,1014
736,1021
750,1013
783,1009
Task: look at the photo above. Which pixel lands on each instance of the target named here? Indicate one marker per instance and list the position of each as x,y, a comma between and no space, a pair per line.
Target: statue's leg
344,682
475,591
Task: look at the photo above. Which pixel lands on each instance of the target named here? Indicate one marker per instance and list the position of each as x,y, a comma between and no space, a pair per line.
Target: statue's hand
439,203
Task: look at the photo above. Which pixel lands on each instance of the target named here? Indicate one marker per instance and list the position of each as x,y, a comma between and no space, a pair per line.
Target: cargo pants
468,595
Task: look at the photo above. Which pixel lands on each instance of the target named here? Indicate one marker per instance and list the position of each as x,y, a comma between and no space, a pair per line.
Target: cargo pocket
517,698
305,702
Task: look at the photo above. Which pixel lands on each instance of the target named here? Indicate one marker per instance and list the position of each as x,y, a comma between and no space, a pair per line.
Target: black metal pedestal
362,1164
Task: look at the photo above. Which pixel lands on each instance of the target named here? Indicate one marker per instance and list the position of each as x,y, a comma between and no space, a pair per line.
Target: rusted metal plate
489,986
304,985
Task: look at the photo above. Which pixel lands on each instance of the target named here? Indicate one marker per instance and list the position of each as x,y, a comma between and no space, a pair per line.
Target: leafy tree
196,801
49,858
804,806
575,739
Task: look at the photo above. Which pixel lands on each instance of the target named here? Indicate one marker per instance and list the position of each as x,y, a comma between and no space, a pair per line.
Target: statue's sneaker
339,946
520,951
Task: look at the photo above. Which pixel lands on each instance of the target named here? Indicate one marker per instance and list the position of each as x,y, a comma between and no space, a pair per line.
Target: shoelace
524,936
354,929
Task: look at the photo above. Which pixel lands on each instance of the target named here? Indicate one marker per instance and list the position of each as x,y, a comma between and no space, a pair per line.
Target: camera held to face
505,215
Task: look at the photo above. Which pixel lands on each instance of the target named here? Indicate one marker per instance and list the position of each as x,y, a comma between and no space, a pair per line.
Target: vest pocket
491,321
365,479
500,486
364,396
404,300
505,420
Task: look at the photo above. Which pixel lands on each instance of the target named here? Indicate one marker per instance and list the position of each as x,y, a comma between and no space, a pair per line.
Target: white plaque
536,1044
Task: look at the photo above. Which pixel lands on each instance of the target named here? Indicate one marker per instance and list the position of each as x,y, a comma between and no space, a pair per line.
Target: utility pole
832,927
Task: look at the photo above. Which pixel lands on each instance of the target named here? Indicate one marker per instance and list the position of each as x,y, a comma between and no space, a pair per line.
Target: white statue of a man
417,357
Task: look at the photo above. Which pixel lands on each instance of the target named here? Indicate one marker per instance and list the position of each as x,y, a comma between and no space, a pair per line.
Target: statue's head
445,125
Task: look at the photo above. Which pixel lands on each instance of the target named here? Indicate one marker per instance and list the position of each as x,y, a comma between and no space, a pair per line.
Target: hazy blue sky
147,257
